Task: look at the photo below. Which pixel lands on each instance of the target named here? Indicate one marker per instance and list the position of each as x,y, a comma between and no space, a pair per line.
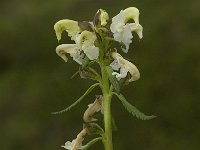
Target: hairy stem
107,95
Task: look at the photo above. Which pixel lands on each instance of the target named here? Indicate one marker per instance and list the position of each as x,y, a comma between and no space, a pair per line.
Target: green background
34,81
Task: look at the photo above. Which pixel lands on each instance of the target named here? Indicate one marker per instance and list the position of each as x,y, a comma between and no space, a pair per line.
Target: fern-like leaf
132,109
78,101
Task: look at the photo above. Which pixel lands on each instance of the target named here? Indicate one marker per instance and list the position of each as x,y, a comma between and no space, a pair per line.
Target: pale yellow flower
124,66
122,31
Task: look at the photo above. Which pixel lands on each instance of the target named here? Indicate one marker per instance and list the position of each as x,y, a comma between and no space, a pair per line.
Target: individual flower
122,31
77,143
92,108
71,49
68,145
124,66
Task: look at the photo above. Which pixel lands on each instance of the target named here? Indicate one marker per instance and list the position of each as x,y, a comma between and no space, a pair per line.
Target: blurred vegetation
34,81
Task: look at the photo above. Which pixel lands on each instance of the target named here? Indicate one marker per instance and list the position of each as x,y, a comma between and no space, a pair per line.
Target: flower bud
92,108
101,17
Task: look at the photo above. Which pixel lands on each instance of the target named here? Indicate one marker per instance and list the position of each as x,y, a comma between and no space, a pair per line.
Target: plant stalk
107,95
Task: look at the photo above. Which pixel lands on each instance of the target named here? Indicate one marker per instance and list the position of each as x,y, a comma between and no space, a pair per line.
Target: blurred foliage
34,81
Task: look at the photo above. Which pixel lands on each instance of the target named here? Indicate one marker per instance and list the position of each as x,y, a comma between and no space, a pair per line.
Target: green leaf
114,125
75,74
78,101
132,109
85,63
113,79
92,142
84,25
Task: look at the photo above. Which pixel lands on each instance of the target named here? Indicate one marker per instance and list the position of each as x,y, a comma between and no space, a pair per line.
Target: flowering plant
95,45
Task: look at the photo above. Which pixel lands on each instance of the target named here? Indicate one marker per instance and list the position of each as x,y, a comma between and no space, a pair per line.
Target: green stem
107,95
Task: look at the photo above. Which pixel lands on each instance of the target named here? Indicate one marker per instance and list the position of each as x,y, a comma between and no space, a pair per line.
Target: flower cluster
88,36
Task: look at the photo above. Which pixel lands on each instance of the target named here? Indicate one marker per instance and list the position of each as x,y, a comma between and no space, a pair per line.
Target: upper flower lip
137,28
123,63
67,25
131,13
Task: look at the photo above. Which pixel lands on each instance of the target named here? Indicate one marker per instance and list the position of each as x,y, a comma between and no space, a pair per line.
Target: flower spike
94,49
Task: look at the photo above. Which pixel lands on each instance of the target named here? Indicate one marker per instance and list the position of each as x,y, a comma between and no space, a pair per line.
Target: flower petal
77,57
133,71
115,65
131,13
86,42
126,37
122,74
67,25
68,145
87,36
91,52
117,23
137,28
78,141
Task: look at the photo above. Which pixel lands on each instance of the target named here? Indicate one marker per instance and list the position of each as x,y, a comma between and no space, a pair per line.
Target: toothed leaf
78,101
132,109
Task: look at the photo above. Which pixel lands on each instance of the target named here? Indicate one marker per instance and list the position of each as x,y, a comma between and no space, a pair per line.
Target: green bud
101,17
